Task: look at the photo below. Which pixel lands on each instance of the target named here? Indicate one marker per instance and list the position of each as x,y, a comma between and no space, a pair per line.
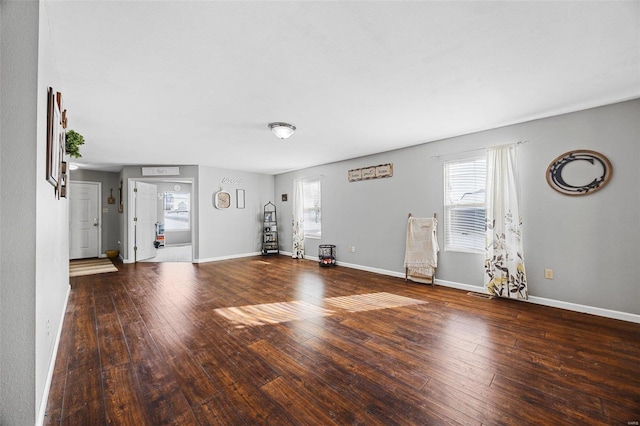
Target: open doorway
173,204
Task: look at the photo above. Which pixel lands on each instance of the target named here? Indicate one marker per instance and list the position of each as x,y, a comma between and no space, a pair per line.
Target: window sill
456,250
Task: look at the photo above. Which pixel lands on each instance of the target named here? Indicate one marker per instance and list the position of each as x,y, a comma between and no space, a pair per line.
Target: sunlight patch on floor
371,301
274,313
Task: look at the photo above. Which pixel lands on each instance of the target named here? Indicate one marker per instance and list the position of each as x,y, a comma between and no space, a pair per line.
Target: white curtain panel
298,220
504,263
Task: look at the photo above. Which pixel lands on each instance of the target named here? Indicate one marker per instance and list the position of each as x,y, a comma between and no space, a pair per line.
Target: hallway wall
34,243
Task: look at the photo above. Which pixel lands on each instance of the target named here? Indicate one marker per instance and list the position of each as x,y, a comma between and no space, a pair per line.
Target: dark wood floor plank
84,340
554,409
113,347
302,394
295,399
193,380
482,404
388,395
231,408
164,402
83,398
124,306
380,360
146,345
337,390
123,398
239,400
517,365
58,379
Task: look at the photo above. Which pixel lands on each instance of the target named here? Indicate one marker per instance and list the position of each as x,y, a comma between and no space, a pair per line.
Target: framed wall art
240,198
53,139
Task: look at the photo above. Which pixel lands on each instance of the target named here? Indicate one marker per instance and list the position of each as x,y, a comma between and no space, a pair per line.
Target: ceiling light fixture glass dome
282,130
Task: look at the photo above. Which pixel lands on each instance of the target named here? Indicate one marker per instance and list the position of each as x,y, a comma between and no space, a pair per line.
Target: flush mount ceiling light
282,130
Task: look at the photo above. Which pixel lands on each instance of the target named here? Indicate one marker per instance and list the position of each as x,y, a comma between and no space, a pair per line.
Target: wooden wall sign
160,171
579,172
371,172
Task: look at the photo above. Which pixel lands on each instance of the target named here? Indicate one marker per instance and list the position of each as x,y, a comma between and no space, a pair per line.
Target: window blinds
464,204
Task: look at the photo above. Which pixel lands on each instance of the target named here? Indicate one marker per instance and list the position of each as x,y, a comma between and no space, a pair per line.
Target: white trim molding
47,386
624,316
608,313
232,256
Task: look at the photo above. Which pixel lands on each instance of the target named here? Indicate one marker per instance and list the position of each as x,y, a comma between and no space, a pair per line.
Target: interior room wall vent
479,295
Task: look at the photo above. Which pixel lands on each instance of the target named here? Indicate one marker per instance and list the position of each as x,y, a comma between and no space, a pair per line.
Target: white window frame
464,219
312,206
186,195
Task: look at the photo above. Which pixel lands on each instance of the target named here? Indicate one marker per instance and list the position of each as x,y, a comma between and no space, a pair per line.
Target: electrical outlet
353,249
548,274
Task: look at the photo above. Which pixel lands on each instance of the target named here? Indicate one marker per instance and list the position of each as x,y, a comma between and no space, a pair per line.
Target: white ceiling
186,82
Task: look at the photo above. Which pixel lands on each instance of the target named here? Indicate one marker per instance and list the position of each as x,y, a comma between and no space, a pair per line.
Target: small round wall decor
579,172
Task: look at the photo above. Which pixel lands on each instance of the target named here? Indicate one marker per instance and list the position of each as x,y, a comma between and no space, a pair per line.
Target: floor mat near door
81,267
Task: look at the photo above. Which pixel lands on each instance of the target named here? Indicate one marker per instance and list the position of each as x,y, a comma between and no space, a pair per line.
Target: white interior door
84,219
146,216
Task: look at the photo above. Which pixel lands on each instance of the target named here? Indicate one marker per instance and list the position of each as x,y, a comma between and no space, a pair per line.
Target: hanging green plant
73,142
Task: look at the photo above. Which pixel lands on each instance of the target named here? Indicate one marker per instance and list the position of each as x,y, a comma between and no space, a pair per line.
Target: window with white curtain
312,192
465,205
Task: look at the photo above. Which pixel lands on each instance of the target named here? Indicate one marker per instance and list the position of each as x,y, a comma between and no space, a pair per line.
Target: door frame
131,182
99,189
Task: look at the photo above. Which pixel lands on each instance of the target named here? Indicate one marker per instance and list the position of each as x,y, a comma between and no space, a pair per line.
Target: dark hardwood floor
160,344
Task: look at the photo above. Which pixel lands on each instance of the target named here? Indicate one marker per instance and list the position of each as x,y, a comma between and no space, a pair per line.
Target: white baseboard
233,256
47,386
624,316
370,269
608,313
214,259
460,286
353,266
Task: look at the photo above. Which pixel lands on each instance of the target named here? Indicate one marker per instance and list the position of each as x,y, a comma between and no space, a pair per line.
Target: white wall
34,227
231,232
52,227
592,243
